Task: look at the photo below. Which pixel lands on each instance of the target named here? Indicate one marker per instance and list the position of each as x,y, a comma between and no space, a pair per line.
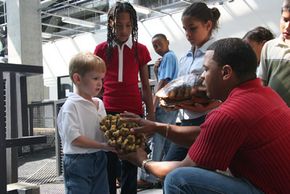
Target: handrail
26,70
27,140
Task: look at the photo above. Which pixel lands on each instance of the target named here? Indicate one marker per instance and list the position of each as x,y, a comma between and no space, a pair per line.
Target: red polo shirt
121,92
250,134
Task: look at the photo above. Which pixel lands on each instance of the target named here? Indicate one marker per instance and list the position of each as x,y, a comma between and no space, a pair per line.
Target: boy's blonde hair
85,62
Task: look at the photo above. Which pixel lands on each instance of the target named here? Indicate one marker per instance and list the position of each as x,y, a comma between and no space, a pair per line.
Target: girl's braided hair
121,7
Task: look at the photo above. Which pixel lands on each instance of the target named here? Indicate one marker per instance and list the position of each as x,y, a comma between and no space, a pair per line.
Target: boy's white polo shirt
79,116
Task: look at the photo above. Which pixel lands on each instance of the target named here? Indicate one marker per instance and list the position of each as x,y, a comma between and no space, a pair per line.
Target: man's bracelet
143,166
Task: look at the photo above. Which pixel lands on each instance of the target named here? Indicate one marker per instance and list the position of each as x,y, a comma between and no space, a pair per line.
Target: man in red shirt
249,133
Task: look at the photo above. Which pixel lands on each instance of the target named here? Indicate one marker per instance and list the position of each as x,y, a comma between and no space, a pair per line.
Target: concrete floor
59,189
151,191
40,169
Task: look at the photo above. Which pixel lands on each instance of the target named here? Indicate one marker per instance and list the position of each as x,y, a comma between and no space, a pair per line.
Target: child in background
125,58
257,37
78,121
165,69
274,65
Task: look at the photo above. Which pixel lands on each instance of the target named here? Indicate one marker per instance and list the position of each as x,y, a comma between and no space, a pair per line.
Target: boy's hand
107,147
156,66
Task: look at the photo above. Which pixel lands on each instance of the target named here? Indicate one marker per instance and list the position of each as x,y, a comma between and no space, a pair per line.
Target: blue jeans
86,173
159,144
193,180
177,152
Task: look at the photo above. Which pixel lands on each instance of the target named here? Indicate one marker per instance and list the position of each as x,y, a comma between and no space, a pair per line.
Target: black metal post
11,165
23,93
3,181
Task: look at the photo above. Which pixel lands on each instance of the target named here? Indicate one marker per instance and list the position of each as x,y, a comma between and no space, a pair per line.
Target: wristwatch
143,166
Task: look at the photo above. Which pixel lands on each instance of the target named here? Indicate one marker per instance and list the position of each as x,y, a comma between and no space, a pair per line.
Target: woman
199,22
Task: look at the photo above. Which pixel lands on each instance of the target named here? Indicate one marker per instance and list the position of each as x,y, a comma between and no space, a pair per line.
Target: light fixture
46,35
46,3
79,22
141,9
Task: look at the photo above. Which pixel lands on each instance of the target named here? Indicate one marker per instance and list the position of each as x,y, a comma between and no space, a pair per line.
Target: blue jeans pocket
69,162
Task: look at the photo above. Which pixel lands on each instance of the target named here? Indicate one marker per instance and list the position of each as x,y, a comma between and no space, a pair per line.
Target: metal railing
42,117
12,106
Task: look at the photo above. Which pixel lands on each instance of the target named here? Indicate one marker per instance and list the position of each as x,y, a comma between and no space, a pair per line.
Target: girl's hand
151,116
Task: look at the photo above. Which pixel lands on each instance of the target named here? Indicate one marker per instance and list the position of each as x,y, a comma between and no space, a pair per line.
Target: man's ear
76,78
227,72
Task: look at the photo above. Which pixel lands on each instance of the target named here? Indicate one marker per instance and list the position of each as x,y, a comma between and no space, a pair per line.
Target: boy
79,128
274,66
165,69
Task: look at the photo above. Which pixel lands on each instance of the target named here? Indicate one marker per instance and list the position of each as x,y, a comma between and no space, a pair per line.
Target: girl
125,58
199,23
